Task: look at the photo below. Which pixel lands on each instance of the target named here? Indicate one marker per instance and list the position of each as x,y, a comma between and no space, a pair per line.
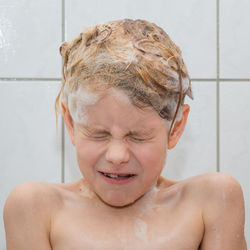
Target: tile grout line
28,79
218,85
59,79
220,79
62,121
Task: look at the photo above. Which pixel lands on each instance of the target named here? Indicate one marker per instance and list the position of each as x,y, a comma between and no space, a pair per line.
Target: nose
117,152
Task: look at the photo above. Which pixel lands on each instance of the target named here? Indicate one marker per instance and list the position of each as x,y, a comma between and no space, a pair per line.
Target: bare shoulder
211,184
33,193
215,189
207,184
206,188
27,214
221,198
42,197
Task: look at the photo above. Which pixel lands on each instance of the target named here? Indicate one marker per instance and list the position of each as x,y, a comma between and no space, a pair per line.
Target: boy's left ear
178,127
69,123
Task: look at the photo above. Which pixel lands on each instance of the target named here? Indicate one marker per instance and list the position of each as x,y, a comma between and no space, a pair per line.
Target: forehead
114,109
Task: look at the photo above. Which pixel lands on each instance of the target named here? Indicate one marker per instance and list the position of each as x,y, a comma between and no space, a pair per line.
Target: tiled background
214,36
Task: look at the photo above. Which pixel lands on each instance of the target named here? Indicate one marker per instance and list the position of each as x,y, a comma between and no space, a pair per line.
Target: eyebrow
142,131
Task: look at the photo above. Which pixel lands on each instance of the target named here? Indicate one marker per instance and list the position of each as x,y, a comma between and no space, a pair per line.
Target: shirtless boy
122,99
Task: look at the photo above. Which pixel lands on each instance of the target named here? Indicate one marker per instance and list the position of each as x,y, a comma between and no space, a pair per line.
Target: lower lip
117,181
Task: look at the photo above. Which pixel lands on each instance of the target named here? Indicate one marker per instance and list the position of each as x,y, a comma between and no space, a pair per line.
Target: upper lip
117,173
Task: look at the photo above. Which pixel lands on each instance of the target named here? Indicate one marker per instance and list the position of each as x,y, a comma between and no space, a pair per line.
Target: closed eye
105,137
100,137
138,139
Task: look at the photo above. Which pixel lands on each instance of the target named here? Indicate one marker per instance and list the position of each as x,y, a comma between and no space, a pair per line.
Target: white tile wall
195,153
30,34
30,149
235,136
234,38
191,24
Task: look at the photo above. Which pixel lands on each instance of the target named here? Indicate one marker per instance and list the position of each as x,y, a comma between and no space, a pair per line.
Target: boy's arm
223,214
26,219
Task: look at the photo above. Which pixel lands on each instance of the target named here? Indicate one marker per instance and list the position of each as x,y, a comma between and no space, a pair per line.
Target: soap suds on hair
121,96
78,103
136,56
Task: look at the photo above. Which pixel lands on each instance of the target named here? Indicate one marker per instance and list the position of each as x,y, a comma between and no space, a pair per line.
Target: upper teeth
112,175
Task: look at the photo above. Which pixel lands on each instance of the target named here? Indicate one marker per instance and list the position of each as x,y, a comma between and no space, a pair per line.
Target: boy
123,90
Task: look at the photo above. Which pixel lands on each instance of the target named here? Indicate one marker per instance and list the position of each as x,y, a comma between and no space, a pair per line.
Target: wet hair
134,56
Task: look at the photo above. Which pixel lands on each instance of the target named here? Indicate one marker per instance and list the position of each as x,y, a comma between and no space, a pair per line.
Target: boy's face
119,138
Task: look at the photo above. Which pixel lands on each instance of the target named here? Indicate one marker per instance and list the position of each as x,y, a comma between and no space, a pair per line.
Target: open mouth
116,176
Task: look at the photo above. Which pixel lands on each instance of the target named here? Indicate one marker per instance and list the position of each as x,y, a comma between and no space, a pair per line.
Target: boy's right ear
68,121
63,48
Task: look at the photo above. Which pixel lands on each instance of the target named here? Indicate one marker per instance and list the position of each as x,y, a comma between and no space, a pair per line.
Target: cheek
87,153
152,156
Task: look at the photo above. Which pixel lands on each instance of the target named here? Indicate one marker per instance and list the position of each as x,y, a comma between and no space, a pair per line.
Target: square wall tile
30,36
234,39
30,149
191,24
195,152
235,137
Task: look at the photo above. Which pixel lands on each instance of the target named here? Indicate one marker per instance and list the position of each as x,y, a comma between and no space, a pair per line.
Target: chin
118,203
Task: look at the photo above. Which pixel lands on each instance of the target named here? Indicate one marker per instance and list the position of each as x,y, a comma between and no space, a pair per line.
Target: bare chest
167,228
